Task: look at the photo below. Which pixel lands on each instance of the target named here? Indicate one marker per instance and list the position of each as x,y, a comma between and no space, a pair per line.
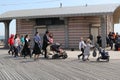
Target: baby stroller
103,55
58,52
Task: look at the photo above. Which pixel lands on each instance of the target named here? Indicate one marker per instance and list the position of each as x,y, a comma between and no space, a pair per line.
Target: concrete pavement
113,54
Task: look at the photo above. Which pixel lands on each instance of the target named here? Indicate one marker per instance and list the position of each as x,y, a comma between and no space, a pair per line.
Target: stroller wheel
64,55
55,56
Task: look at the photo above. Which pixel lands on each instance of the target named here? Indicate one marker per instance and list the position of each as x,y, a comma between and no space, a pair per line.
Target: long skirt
36,49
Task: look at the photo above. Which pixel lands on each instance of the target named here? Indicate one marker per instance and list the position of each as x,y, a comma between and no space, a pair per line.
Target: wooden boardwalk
47,69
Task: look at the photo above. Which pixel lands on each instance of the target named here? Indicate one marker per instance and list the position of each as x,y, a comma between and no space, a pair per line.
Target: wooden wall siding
25,27
80,27
58,33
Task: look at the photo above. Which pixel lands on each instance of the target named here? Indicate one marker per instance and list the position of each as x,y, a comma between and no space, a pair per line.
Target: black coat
26,48
45,42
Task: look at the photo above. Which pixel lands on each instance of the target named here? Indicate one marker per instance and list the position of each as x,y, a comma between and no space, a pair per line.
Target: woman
26,49
11,44
16,45
37,46
50,42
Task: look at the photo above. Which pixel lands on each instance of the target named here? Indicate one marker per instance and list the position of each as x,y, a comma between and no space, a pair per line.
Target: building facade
67,30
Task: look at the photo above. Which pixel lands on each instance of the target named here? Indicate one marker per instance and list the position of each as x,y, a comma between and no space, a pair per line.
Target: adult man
45,43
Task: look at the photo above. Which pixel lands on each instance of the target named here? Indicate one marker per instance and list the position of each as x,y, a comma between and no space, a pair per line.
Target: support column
103,30
6,33
66,34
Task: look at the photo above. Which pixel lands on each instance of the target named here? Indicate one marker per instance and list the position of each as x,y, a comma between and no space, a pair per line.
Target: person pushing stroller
54,49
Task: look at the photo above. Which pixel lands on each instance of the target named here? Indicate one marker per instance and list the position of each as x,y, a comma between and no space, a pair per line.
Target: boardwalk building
67,24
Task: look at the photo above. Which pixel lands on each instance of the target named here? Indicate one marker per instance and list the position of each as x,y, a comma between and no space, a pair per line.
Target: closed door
94,32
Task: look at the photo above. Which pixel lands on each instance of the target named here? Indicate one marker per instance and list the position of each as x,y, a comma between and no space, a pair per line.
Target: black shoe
9,52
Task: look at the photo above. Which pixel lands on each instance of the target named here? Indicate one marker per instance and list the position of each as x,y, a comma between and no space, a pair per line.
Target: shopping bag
94,53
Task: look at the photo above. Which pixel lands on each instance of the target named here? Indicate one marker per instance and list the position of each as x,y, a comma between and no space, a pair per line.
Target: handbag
94,53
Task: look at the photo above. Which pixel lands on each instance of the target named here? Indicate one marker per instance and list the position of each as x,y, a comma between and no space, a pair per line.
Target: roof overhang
116,16
90,10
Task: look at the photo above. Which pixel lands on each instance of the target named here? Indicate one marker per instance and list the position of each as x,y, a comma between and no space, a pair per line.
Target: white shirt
16,42
81,45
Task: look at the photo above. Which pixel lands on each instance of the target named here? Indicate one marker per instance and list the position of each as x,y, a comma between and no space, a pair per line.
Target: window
49,21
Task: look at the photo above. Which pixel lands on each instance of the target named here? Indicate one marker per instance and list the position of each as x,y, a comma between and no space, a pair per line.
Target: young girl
87,50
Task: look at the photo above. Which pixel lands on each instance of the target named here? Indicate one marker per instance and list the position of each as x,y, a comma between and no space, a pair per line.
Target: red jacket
11,40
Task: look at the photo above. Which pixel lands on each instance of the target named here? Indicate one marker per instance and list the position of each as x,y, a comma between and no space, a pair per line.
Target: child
81,47
87,50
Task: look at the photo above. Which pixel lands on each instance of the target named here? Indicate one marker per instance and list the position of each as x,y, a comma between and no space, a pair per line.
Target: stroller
103,55
58,52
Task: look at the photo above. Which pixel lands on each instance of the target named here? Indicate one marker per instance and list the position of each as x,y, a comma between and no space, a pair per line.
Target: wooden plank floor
47,69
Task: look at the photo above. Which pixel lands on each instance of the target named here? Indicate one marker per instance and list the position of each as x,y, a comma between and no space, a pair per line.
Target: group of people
85,46
111,39
21,46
